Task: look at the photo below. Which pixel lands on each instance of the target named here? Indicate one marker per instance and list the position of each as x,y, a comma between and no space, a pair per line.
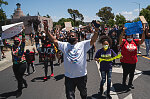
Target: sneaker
52,74
139,52
19,93
34,71
109,97
45,78
131,86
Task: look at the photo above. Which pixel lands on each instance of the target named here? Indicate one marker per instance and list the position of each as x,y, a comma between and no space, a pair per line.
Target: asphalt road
54,87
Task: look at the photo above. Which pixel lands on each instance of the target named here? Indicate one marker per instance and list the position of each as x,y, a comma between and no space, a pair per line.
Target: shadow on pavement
59,77
96,96
120,89
146,72
39,79
8,94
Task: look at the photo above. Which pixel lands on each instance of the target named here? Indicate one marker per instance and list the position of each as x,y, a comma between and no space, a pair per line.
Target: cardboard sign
11,30
143,19
68,26
133,28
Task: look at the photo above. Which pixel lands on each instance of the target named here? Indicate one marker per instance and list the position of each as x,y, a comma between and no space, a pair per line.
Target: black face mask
72,40
16,42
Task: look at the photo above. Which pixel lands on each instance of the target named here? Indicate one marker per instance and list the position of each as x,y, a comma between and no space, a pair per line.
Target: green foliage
3,2
2,12
2,15
62,20
146,14
105,14
120,20
111,22
28,14
136,19
75,15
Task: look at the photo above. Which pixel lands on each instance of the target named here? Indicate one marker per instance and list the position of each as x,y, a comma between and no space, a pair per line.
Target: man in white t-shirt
75,64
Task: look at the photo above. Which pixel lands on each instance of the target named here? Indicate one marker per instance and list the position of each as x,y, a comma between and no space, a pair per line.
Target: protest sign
143,19
11,30
133,28
68,26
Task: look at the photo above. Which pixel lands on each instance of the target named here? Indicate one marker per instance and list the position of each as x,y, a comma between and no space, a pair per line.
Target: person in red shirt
129,55
30,58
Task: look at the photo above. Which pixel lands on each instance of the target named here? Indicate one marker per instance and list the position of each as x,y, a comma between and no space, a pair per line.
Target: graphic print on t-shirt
131,47
73,54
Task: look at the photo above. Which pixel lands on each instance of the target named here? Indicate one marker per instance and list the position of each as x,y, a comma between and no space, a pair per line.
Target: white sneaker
139,52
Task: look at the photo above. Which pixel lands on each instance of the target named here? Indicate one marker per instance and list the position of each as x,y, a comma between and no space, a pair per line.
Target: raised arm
143,37
121,36
94,37
50,36
23,34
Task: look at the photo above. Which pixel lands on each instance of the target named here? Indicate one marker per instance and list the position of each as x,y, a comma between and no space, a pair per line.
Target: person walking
19,63
75,64
129,53
30,58
147,40
105,66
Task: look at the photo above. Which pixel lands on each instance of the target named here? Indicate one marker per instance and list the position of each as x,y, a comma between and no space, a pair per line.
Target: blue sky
58,8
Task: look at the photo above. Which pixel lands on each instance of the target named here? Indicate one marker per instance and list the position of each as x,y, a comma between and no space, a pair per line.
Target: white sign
68,26
11,30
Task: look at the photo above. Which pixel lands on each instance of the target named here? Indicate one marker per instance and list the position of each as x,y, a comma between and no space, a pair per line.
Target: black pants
128,69
28,67
46,67
72,83
91,52
19,70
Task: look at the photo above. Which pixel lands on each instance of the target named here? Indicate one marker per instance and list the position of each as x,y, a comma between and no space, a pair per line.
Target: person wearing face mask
75,64
19,62
129,53
105,66
114,46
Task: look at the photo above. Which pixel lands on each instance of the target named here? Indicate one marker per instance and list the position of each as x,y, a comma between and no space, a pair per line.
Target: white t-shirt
75,58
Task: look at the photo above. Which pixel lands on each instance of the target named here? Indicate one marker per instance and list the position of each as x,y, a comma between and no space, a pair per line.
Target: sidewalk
7,62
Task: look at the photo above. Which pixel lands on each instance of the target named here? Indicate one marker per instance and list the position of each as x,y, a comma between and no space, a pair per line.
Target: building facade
18,16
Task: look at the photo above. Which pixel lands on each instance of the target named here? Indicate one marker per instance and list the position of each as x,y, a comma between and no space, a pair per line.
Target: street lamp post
139,6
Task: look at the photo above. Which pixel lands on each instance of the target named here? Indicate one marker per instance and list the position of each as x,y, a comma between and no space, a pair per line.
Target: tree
2,12
105,14
3,2
47,16
111,22
62,20
148,7
146,14
120,20
38,14
75,15
28,14
136,19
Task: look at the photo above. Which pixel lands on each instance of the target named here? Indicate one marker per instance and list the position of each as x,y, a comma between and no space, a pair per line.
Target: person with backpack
30,58
105,66
129,53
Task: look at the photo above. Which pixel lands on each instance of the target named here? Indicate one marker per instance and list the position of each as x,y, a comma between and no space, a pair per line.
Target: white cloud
131,15
89,19
127,13
136,10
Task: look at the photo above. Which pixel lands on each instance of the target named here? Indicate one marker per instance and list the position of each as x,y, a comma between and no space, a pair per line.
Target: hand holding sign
11,30
133,28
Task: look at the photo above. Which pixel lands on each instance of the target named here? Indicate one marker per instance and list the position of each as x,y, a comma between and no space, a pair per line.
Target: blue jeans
37,46
103,75
147,43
